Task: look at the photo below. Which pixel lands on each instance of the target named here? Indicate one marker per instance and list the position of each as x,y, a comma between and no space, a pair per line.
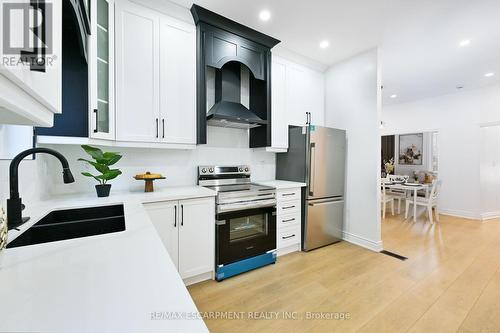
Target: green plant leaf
95,153
102,168
112,158
111,174
87,174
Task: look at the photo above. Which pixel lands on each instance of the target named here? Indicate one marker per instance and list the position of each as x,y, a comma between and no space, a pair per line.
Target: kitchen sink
73,223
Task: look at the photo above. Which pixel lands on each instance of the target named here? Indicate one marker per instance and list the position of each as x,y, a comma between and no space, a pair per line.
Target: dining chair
398,195
429,202
385,198
398,178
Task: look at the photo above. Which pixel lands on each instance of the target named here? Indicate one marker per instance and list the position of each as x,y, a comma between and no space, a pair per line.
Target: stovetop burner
239,188
234,189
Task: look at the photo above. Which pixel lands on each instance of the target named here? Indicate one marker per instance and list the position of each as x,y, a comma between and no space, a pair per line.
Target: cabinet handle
163,128
157,128
287,194
289,220
175,216
96,121
289,207
286,237
182,215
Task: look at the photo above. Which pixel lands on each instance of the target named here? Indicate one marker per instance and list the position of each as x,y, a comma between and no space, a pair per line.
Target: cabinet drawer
288,207
288,236
287,220
289,194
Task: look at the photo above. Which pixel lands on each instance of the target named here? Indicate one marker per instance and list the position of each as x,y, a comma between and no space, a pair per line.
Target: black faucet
14,203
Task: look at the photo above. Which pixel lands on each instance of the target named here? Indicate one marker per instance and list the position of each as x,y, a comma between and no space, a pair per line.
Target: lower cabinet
289,220
187,230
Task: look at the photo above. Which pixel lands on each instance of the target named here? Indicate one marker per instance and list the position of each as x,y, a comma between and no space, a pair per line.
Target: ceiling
418,40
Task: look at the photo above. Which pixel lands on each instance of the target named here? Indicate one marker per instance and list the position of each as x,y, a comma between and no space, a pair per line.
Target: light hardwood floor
450,283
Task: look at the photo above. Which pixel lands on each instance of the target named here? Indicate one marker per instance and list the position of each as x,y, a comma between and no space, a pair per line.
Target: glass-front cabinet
101,70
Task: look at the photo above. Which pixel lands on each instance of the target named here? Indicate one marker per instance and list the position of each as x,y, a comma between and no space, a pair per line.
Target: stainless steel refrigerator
316,156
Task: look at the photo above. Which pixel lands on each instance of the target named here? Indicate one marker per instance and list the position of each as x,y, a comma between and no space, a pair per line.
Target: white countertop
281,184
106,283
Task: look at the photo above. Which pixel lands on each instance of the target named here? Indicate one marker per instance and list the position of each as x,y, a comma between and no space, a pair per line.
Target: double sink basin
73,223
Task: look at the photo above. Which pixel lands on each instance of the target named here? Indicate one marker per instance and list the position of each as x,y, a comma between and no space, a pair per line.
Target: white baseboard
289,249
460,213
363,242
199,278
490,216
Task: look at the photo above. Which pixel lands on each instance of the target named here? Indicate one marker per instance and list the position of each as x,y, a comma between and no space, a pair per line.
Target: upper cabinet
177,81
239,58
30,94
101,70
155,77
296,90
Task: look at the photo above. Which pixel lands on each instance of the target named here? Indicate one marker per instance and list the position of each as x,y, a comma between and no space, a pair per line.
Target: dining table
409,188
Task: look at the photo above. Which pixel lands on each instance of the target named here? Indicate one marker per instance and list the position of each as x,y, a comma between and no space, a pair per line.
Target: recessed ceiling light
394,96
265,15
490,74
324,44
464,42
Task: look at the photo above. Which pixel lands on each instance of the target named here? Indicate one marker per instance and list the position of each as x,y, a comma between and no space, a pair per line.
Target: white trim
363,242
198,278
289,249
67,140
460,213
490,215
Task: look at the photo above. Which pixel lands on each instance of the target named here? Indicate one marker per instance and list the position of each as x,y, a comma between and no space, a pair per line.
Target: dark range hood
228,110
227,48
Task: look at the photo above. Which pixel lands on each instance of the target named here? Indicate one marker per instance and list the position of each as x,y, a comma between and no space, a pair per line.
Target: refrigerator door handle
326,201
312,168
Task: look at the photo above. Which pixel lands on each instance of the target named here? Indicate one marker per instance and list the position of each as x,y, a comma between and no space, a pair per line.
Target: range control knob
203,170
246,169
211,170
240,169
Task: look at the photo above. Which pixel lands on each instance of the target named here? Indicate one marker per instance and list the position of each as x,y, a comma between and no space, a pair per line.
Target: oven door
245,233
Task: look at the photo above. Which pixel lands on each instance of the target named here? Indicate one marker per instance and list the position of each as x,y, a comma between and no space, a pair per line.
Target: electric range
245,219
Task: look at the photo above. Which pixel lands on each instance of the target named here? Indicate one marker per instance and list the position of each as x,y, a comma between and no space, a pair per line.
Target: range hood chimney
228,110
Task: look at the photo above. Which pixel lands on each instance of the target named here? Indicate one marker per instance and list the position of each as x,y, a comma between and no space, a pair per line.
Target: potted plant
389,166
102,162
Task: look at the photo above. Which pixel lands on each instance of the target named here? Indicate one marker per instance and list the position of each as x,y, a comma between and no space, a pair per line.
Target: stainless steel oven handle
218,222
236,207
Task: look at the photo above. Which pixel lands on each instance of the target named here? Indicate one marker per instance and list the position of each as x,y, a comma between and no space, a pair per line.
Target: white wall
225,146
457,117
352,103
490,171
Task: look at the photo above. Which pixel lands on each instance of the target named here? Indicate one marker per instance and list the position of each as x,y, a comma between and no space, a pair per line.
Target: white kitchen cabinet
137,74
177,81
296,90
30,97
164,217
288,220
279,122
155,76
187,230
101,70
196,237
